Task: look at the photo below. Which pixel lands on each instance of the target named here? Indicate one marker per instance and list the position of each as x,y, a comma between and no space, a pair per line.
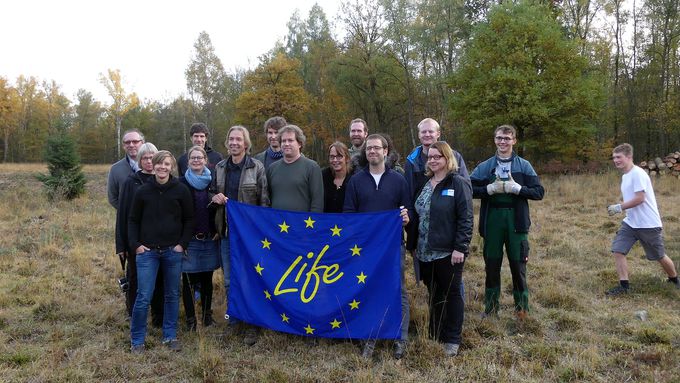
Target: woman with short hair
159,229
127,255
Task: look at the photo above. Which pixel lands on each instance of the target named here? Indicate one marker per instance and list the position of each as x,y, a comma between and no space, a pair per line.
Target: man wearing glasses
132,140
505,183
199,137
376,188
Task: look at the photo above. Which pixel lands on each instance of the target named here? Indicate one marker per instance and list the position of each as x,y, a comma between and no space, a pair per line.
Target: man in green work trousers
505,183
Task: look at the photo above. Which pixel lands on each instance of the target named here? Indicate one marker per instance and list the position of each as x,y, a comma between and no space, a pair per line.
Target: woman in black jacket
203,254
127,255
159,229
335,177
440,235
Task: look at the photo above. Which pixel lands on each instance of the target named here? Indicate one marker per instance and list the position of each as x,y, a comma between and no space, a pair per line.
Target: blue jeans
226,270
148,263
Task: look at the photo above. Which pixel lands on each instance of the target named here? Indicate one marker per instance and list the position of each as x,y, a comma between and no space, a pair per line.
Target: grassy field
62,314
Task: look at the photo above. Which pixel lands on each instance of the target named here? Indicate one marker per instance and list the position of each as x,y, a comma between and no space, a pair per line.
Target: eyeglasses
374,148
197,158
435,157
504,139
132,142
338,157
147,158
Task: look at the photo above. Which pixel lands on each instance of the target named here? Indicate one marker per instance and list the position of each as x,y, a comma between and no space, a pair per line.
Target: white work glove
511,186
614,209
495,188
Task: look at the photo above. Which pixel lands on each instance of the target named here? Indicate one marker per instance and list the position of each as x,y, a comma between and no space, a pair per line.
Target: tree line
574,76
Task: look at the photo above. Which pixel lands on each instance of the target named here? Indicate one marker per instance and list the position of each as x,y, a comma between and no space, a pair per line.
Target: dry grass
61,313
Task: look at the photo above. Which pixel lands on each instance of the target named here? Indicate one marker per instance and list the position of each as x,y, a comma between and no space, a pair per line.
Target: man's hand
219,199
141,249
614,209
404,215
178,249
495,188
511,186
457,257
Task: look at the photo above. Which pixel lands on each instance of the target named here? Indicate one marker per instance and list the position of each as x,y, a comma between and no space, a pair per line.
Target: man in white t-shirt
642,222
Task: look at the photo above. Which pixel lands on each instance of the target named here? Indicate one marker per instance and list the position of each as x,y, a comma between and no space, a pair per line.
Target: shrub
66,179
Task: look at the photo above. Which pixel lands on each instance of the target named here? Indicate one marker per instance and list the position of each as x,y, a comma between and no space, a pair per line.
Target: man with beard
273,153
377,188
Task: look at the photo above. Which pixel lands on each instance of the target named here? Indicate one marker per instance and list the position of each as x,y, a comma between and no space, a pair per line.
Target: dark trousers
443,281
131,295
189,280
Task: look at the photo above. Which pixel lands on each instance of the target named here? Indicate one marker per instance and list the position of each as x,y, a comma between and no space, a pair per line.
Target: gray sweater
297,186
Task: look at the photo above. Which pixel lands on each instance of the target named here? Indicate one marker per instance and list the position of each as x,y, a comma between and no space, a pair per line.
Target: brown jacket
252,188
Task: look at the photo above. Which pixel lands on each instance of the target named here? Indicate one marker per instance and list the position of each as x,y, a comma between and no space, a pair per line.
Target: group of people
176,229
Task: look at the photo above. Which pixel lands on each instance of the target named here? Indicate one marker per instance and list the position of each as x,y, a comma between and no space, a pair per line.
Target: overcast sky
150,41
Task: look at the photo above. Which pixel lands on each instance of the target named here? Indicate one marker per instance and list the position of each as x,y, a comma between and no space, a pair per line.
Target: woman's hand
178,249
457,257
219,199
141,249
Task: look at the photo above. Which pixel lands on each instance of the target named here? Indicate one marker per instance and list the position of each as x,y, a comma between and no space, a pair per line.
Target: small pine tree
66,179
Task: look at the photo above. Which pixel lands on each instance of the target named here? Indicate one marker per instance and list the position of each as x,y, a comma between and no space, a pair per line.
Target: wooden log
652,173
658,162
676,167
643,164
651,165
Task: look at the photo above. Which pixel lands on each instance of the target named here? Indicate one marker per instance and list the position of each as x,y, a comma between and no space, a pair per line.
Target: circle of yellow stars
335,231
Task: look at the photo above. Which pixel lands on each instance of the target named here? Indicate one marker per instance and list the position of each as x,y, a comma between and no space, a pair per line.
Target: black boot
191,323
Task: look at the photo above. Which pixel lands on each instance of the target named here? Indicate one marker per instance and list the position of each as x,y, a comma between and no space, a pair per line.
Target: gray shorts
651,240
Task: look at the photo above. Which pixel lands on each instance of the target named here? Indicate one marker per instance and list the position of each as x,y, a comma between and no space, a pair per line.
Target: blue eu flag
315,274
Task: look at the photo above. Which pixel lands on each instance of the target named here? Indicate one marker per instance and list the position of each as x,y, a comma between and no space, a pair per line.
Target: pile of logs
669,165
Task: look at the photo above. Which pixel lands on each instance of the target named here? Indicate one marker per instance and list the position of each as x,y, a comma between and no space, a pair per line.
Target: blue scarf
198,182
273,154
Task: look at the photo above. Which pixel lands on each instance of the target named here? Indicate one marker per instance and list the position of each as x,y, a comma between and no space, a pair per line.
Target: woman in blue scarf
203,251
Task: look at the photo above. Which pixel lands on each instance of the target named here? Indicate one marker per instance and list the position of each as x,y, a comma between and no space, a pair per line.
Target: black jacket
161,215
132,183
451,218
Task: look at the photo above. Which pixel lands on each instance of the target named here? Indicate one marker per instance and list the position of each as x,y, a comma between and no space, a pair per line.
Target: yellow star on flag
354,304
335,324
336,231
284,318
356,250
310,222
309,330
362,278
267,295
265,244
284,227
259,269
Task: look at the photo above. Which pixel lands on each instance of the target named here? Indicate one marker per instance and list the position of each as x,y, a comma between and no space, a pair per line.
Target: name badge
448,192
